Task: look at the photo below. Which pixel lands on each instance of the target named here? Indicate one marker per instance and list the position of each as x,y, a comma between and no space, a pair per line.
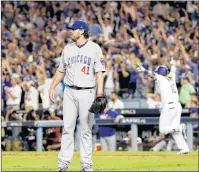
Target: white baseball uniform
79,63
171,111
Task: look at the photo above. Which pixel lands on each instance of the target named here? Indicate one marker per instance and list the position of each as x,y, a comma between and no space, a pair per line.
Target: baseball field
103,161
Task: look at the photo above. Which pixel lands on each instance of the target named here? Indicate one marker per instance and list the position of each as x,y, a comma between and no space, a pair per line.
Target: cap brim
70,27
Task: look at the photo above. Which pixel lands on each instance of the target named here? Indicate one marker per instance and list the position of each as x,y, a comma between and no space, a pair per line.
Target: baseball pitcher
81,67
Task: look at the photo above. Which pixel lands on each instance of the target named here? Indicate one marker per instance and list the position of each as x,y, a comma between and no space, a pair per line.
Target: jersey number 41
85,70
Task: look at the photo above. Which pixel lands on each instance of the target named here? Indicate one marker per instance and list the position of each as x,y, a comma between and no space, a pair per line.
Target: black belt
172,102
80,88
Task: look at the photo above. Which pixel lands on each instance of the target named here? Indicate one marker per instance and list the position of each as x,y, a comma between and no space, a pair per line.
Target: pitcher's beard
75,39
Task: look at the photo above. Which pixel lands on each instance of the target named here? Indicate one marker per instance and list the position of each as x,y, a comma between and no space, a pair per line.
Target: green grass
103,161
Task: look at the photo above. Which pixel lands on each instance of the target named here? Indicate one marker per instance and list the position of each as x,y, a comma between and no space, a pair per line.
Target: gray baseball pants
77,102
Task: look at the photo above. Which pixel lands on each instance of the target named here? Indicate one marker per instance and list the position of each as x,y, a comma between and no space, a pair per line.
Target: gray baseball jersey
81,63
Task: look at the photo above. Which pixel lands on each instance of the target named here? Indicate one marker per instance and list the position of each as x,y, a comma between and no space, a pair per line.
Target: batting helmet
162,70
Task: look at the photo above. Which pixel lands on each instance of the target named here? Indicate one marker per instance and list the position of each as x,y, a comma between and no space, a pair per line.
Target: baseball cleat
181,152
87,169
62,169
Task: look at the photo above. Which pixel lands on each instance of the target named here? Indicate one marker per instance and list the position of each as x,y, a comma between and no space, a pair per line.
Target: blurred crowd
129,33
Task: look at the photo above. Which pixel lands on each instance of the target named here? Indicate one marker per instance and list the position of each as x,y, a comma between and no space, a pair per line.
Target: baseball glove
98,105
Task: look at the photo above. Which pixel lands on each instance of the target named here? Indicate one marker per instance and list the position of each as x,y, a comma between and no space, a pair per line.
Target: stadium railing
132,121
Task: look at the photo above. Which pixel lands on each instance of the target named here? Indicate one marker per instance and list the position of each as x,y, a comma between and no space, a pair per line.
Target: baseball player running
81,67
171,112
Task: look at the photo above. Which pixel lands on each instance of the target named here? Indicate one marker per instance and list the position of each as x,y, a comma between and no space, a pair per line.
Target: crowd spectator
154,101
52,136
29,133
123,77
115,102
126,142
193,101
13,140
186,91
13,95
31,96
107,133
141,82
193,106
44,93
108,79
194,111
31,115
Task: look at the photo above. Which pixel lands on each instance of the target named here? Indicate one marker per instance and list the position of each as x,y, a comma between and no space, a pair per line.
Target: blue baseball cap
79,24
